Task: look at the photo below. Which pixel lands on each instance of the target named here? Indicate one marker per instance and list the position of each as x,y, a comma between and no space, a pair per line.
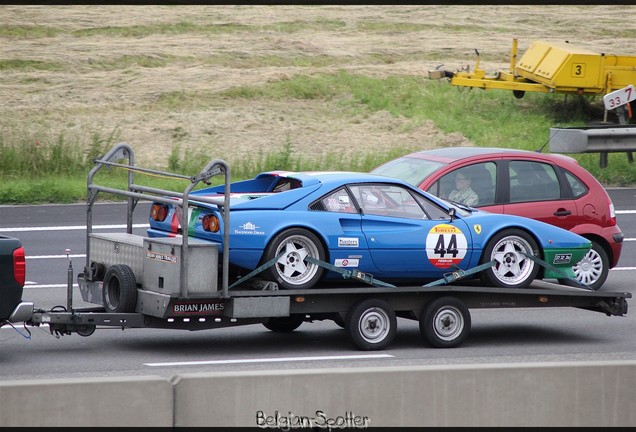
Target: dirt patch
82,99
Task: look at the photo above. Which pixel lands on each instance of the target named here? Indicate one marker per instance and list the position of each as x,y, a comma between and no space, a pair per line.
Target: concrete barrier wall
128,401
600,394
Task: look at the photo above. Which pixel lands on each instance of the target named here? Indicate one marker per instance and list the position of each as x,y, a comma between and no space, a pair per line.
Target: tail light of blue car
206,223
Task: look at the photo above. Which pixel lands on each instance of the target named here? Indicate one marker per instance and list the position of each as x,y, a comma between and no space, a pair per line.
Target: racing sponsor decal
198,308
563,258
163,257
477,228
249,228
348,242
445,245
347,262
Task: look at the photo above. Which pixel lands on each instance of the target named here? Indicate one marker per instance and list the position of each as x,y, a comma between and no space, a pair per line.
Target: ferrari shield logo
477,228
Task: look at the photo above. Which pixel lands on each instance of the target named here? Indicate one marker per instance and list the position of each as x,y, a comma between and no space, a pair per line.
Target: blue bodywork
386,246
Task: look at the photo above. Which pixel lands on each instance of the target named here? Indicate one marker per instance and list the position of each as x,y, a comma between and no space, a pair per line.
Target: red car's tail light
159,212
612,220
210,223
19,266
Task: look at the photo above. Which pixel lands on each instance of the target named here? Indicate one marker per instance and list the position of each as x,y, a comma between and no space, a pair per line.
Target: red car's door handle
562,212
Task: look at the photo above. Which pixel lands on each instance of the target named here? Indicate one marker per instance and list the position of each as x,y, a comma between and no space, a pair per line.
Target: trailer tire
284,324
371,324
85,330
445,322
119,293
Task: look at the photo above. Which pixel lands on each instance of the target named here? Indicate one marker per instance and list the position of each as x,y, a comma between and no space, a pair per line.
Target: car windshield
411,170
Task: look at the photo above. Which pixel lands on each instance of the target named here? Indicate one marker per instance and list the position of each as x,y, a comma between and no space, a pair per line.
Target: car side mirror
452,212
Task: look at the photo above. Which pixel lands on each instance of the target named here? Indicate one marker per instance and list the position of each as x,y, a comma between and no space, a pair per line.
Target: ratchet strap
459,274
256,271
350,274
347,274
447,278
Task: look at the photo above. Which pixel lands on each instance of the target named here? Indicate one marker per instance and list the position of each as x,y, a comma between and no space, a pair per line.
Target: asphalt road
497,335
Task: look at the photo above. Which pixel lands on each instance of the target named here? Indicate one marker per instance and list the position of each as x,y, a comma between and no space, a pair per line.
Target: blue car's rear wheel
512,269
291,271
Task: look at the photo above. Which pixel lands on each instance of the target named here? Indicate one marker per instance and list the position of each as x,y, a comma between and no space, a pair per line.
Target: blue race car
373,224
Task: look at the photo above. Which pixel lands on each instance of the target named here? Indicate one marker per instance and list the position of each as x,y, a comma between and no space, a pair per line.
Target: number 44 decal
445,245
441,249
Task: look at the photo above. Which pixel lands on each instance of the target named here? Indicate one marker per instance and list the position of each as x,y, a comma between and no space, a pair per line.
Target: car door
408,235
534,190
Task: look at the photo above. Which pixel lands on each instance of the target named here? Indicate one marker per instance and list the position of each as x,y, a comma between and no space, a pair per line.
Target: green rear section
561,261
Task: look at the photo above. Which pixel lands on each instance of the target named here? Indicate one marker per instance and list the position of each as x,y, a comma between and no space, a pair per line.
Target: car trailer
178,283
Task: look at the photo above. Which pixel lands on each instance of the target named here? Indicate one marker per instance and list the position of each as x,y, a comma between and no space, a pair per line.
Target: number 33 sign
619,97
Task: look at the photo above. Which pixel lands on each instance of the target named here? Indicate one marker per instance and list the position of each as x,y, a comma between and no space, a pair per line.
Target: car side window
533,181
473,185
387,200
578,187
338,201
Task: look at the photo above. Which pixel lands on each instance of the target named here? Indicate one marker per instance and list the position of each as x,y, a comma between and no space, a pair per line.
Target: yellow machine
551,68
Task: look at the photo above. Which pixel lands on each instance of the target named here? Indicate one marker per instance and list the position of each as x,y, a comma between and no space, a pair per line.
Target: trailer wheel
119,293
512,269
371,324
85,330
445,322
284,324
291,270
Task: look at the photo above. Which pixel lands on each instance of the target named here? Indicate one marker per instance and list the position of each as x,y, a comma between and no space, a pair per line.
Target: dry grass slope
99,69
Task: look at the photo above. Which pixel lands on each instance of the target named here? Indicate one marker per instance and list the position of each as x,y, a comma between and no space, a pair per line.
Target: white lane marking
270,360
625,211
69,227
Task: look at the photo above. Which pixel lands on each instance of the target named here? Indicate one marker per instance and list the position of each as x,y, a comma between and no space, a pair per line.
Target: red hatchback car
552,188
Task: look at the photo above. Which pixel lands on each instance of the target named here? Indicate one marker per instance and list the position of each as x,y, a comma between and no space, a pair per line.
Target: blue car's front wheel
292,246
512,269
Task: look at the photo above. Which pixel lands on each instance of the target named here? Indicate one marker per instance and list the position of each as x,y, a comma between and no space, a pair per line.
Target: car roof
257,193
452,154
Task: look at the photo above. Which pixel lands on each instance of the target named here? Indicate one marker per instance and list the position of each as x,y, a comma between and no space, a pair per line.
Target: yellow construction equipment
563,68
551,68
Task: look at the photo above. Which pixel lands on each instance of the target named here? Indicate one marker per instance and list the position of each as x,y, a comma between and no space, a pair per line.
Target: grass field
264,87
